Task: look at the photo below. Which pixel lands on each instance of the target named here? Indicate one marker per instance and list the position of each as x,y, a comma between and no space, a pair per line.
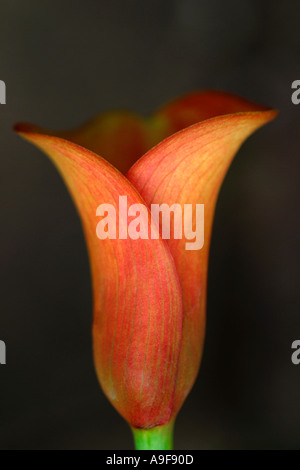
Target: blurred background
66,61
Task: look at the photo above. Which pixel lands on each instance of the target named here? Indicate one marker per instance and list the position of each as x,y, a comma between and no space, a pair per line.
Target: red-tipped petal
137,300
201,105
188,168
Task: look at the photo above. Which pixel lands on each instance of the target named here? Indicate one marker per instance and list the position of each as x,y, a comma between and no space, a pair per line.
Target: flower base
158,438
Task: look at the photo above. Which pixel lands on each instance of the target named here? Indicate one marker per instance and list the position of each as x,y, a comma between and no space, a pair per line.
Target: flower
150,294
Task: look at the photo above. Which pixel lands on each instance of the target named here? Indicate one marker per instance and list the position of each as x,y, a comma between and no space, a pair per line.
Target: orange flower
150,294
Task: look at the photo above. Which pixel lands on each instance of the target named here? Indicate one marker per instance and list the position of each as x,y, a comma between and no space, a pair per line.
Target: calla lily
150,294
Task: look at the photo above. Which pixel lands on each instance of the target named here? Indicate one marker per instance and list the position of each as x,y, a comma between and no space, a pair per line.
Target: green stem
158,438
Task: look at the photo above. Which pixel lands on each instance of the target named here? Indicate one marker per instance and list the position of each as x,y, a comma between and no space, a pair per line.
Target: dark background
65,61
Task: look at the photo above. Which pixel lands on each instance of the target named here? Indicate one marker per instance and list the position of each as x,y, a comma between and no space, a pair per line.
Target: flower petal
118,136
188,168
199,106
137,299
122,137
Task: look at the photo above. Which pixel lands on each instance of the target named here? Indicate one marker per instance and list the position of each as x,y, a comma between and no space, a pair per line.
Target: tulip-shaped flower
149,292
